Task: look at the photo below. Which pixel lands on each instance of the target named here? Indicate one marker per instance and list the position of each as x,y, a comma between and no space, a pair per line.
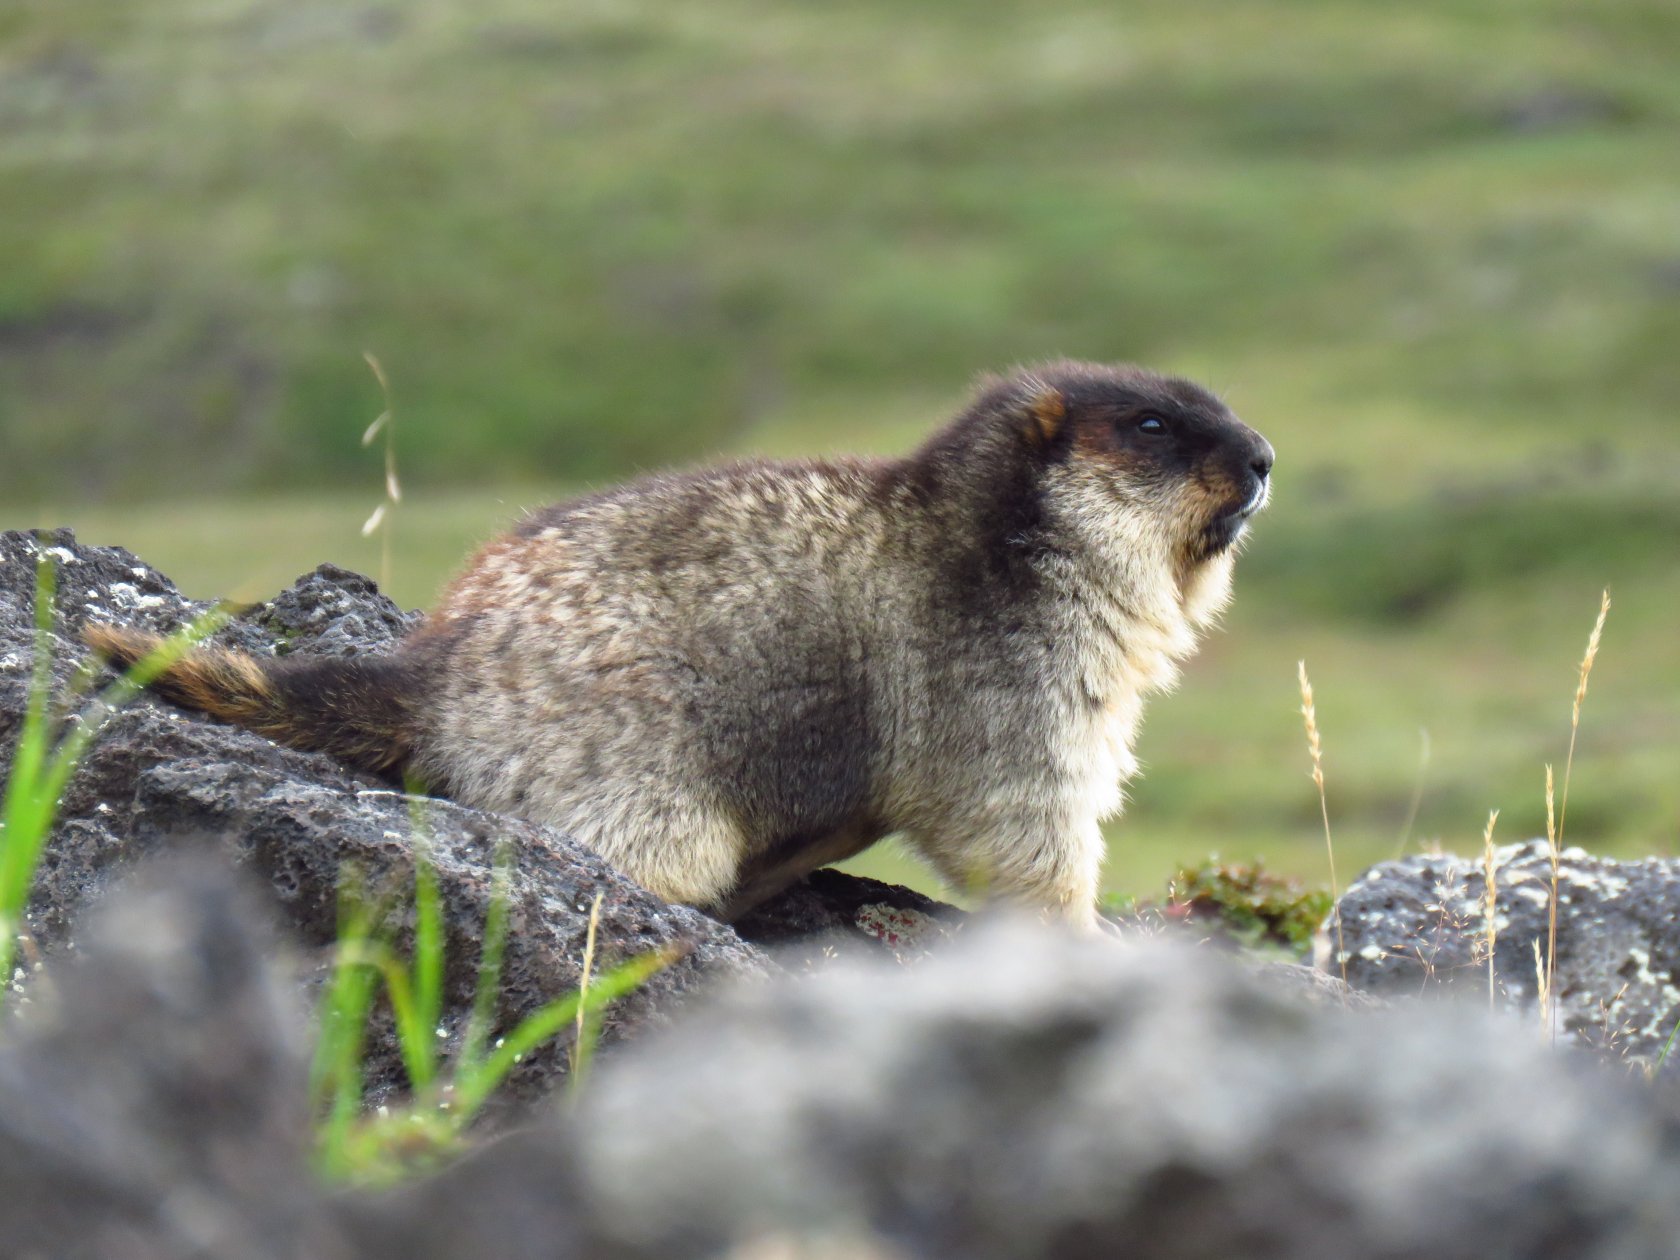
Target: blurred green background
1432,250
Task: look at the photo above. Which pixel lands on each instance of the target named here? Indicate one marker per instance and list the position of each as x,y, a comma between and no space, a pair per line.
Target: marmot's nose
1261,460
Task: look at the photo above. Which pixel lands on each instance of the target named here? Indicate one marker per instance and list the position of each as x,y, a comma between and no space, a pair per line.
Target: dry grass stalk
587,1029
1575,709
1490,900
381,518
1417,793
1316,748
1553,852
1554,824
1543,985
588,962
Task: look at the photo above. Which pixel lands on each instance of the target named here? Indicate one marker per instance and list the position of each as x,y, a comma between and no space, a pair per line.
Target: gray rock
160,779
152,1093
299,836
829,913
332,612
1018,1094
1025,1095
1417,926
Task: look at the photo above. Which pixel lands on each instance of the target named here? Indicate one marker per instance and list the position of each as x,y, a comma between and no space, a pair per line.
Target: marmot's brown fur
723,679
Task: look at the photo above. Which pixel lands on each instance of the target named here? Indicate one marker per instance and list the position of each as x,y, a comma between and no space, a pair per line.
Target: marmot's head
1155,443
1153,470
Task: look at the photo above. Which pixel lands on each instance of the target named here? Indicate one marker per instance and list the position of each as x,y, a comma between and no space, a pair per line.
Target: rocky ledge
159,779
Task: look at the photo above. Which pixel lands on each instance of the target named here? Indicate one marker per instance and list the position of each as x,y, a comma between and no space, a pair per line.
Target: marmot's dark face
1165,446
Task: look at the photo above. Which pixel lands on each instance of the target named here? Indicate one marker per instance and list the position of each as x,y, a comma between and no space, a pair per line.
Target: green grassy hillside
585,237
1431,250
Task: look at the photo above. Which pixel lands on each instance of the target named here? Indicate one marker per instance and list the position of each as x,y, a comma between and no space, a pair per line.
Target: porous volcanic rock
831,912
1418,925
161,779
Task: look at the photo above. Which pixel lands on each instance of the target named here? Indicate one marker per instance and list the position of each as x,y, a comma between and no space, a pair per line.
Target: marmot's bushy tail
359,709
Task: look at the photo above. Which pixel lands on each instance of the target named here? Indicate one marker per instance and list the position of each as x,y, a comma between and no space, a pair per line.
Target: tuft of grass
1258,908
446,1096
43,763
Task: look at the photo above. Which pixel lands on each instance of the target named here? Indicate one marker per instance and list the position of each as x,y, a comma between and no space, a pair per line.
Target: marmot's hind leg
786,864
1039,861
671,842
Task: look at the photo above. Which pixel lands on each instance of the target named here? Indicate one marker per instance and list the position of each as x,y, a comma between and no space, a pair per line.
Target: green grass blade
31,751
21,814
336,1073
473,1088
488,985
428,954
352,928
350,1145
342,1034
415,1038
1667,1046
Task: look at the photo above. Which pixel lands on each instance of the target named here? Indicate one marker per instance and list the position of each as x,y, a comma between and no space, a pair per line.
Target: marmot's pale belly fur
724,679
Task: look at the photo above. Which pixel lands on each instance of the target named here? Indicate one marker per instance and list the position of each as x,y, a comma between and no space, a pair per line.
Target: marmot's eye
1152,425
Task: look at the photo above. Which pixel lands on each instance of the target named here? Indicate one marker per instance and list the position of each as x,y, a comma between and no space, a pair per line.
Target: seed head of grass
1490,900
1309,715
383,423
1555,818
1585,672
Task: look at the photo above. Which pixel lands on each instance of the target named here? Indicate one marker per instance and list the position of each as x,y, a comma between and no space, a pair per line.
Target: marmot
721,680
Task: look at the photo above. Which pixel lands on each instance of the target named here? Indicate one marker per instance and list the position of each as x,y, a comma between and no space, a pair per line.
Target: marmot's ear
1046,413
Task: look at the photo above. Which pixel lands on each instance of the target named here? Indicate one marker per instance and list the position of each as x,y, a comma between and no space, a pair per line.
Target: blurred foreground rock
159,779
1019,1094
1417,926
152,1090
